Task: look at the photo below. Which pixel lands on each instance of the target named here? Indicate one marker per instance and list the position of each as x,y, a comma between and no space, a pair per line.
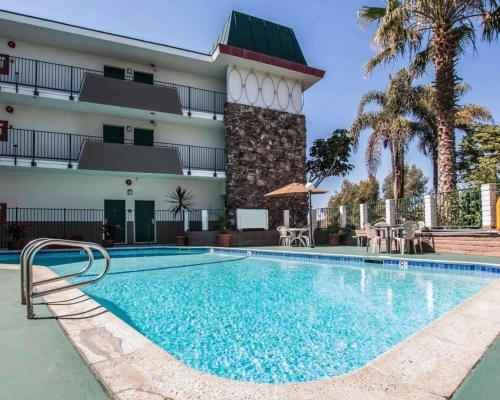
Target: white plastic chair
285,236
372,237
407,235
418,235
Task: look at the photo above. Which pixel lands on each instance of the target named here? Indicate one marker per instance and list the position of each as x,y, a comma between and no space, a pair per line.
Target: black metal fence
327,217
375,211
352,216
43,145
410,209
67,78
86,224
460,208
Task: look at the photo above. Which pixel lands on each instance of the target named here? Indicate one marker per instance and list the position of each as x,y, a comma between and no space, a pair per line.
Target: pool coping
429,364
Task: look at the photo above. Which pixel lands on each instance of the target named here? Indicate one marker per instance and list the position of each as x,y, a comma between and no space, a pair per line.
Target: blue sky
327,32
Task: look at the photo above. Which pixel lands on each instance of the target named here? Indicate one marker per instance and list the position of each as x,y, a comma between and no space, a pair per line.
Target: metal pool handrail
34,247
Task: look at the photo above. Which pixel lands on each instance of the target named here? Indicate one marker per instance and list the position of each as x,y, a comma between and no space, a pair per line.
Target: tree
415,183
436,31
329,157
479,155
425,113
389,124
366,191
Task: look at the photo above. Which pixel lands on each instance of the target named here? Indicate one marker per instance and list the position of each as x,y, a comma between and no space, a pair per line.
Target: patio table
389,232
296,235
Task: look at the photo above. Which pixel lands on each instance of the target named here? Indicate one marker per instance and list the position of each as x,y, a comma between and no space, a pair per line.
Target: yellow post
498,214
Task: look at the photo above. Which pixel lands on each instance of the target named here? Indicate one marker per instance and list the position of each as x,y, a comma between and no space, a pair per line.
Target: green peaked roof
255,34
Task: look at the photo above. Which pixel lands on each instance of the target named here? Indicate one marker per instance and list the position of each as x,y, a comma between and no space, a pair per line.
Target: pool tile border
428,365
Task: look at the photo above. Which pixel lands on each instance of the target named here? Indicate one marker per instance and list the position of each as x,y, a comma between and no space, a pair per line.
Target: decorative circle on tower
283,94
268,90
252,88
235,84
297,97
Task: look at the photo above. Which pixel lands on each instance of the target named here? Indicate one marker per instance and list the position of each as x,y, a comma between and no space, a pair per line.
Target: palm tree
389,124
424,111
436,31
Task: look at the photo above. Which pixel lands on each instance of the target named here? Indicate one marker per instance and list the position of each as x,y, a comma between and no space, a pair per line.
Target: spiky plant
180,200
437,32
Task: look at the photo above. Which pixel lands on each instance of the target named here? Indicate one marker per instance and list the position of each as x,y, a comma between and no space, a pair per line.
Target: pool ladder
26,264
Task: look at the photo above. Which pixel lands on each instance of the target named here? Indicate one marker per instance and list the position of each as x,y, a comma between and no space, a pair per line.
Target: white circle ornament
268,91
283,94
297,99
235,85
252,88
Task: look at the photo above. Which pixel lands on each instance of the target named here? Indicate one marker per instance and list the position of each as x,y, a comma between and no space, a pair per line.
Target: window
4,131
4,64
143,77
114,72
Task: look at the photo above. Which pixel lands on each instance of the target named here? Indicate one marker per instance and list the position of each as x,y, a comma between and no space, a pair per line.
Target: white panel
297,98
234,85
251,219
268,91
283,94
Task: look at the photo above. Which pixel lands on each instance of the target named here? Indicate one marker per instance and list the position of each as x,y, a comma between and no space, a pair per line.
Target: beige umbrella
299,188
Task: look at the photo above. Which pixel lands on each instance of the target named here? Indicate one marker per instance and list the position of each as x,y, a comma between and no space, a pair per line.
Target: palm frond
375,96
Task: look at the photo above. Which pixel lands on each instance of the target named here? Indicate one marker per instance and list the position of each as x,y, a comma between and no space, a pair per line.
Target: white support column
363,215
390,211
286,218
204,220
430,210
343,216
488,205
186,221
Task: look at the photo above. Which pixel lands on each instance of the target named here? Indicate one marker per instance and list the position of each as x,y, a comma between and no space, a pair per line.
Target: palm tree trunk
398,184
445,49
435,169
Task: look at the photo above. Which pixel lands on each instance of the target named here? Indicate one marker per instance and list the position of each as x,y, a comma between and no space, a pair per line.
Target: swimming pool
271,319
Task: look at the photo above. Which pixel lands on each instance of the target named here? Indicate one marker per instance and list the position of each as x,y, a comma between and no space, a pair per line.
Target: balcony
32,146
70,79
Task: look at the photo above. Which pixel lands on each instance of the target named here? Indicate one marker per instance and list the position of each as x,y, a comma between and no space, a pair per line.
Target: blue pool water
272,320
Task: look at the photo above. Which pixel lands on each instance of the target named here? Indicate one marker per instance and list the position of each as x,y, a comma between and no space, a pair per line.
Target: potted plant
16,233
334,234
109,230
180,200
225,231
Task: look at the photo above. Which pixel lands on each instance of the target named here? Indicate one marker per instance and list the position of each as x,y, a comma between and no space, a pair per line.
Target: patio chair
418,235
304,238
372,237
285,236
406,236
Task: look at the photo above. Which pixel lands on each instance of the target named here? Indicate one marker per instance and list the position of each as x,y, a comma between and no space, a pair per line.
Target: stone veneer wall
266,150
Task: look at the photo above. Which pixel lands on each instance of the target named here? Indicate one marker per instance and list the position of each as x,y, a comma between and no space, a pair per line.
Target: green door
144,221
114,212
113,134
143,137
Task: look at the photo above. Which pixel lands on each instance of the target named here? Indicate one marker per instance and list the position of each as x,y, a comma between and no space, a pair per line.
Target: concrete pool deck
431,366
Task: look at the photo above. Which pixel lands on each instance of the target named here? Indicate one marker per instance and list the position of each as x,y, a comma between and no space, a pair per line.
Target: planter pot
108,243
15,245
180,240
224,239
334,238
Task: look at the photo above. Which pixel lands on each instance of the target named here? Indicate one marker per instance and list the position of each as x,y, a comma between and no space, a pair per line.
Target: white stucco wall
48,119
73,189
85,60
251,87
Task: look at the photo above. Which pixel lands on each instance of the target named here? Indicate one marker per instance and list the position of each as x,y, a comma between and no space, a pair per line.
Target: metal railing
352,215
460,208
410,209
327,217
44,145
375,211
68,78
26,265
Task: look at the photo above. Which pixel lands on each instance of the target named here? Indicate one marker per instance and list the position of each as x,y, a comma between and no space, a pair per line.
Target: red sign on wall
4,64
4,131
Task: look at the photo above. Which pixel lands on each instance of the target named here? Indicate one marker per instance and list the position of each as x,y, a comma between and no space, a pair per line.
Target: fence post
430,210
390,211
342,216
33,148
186,220
71,97
488,205
204,220
189,101
286,217
363,215
36,93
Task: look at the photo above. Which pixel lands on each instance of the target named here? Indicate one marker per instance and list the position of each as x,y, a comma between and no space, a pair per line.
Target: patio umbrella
299,188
